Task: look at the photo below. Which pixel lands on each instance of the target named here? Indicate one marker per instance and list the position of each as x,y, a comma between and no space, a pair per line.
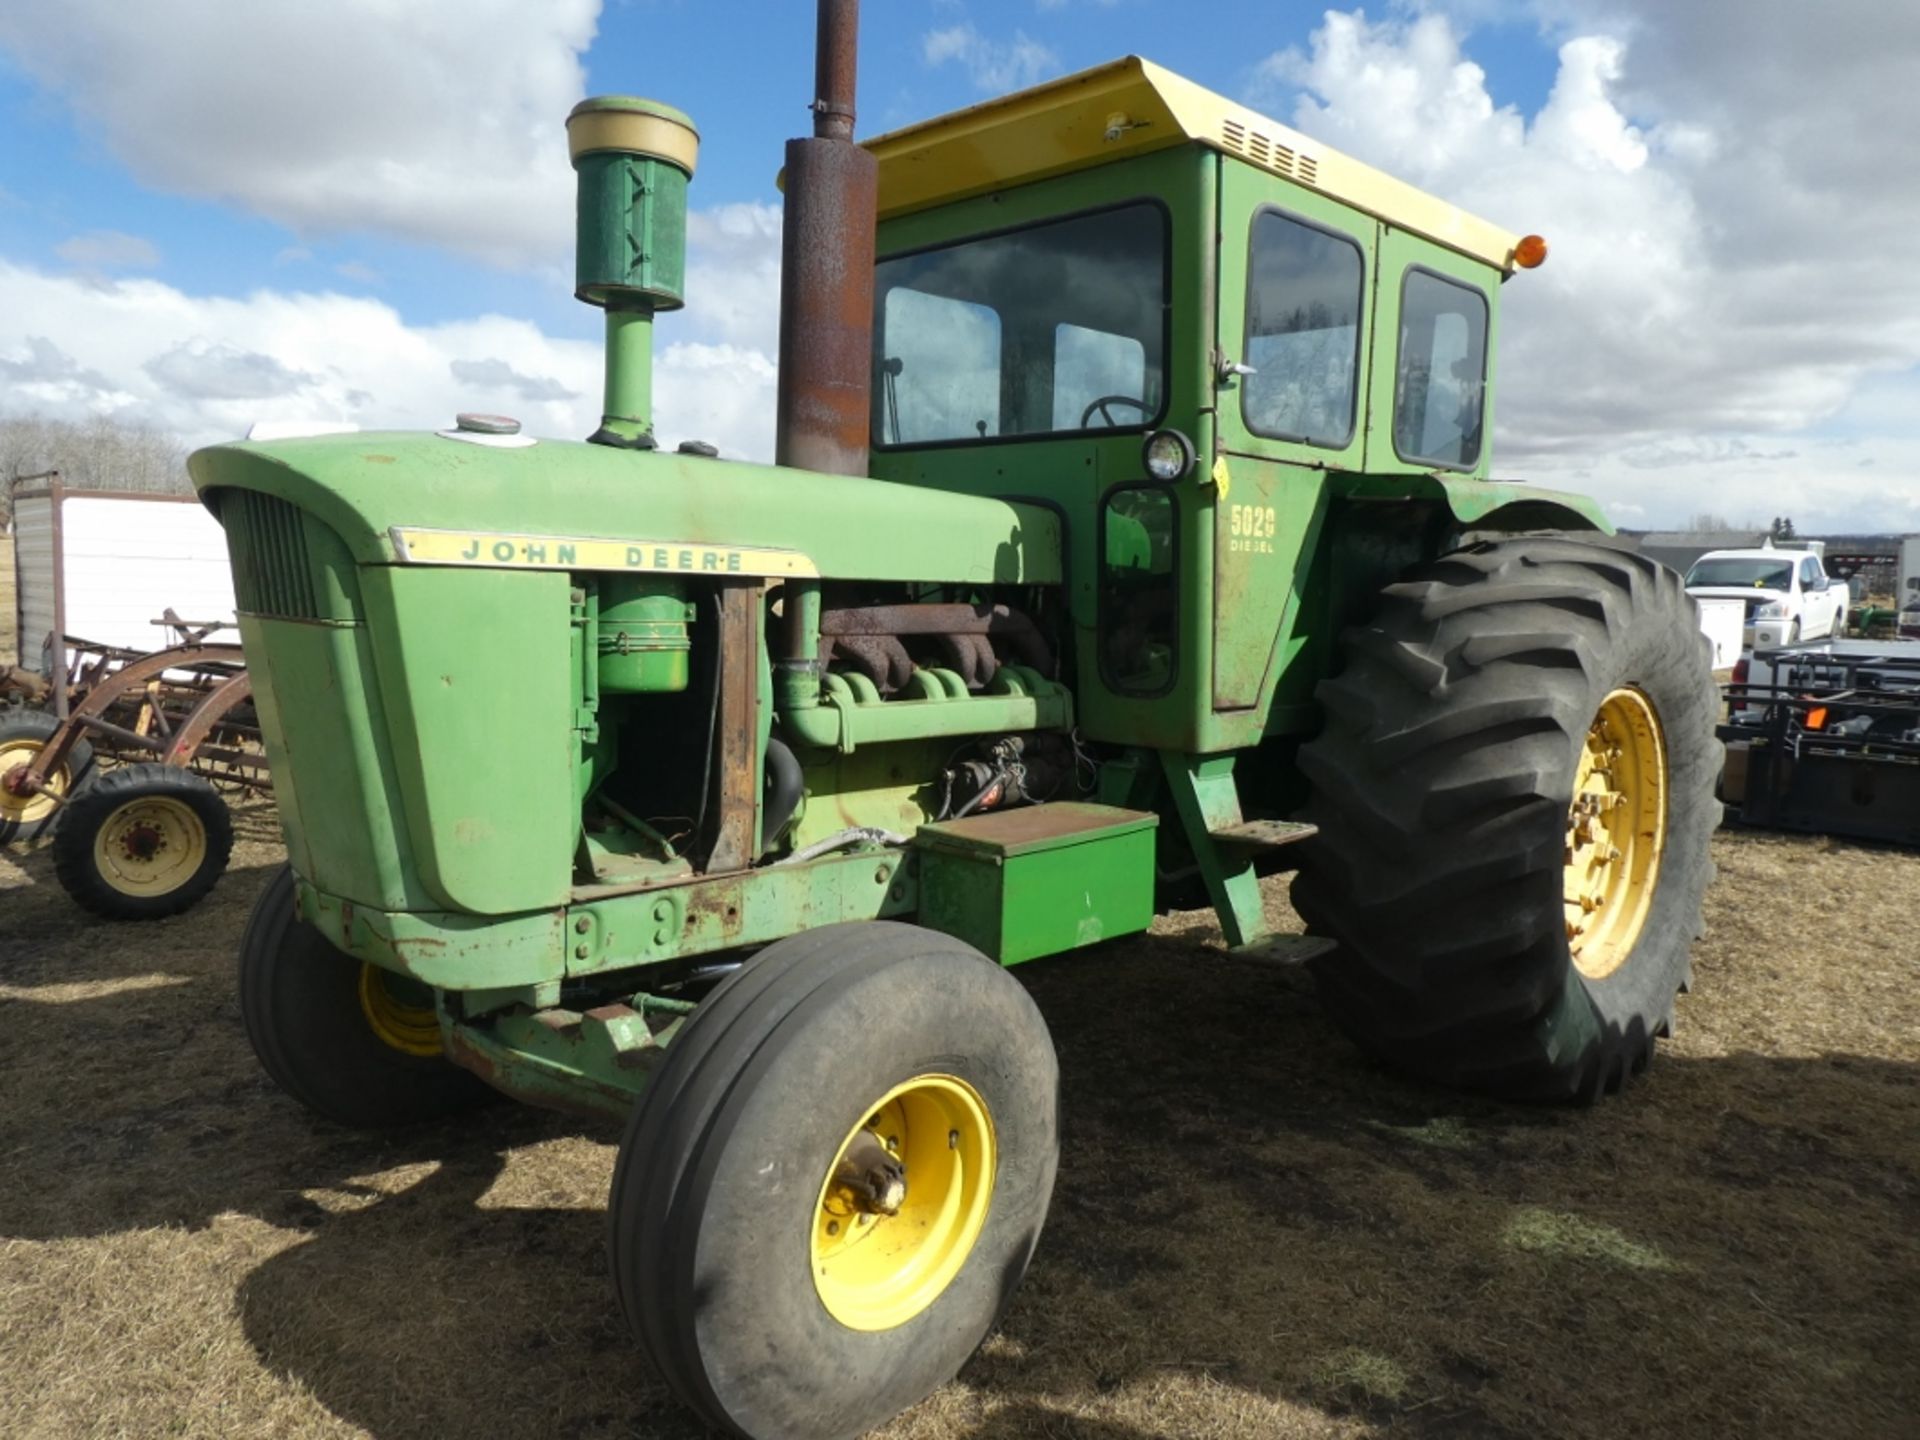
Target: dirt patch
1257,1232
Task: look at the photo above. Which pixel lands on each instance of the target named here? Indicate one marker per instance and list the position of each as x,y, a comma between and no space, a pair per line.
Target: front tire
1520,739
143,842
349,1041
769,1298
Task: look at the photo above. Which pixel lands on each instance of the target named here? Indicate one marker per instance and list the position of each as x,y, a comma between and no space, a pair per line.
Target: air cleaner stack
634,159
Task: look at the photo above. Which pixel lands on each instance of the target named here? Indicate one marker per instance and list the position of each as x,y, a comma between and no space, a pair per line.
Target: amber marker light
1530,252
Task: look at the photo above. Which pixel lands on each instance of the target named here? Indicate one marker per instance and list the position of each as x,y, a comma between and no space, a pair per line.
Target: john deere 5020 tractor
1131,538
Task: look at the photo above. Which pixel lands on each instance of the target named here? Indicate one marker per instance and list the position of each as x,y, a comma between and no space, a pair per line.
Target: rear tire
143,842
22,738
310,1012
765,1320
1443,784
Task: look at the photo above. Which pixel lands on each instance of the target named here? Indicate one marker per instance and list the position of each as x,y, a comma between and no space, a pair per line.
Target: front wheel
1515,795
831,1188
350,1041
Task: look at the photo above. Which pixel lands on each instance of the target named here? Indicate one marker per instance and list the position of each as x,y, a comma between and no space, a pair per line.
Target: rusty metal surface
129,680
836,56
968,638
1038,822
221,701
826,269
736,767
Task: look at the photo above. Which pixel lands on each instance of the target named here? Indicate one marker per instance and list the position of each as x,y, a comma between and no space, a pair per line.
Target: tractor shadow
1257,1233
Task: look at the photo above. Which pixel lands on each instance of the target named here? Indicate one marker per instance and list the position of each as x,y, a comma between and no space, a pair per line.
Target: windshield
1759,574
1057,328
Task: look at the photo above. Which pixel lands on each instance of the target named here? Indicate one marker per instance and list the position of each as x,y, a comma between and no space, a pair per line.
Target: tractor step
1257,837
1286,949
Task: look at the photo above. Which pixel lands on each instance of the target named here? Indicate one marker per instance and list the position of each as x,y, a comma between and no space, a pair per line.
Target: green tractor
1131,539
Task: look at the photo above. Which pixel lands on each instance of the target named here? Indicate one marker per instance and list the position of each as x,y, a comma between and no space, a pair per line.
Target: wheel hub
1616,831
150,846
903,1202
18,801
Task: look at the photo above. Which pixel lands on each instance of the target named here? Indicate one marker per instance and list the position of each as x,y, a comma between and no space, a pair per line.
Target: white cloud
206,367
993,65
1730,257
108,250
438,121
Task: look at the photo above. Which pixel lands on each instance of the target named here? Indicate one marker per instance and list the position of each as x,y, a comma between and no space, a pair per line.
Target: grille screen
269,545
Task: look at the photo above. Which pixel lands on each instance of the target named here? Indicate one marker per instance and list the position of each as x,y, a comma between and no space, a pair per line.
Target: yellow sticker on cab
497,550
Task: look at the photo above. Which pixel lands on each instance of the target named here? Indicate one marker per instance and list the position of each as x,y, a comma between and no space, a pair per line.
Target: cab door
1295,271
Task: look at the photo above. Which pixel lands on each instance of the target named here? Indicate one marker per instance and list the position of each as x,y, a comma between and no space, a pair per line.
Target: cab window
1439,398
1054,328
1303,332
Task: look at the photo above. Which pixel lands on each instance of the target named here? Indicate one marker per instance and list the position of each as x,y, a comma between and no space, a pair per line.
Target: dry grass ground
1256,1234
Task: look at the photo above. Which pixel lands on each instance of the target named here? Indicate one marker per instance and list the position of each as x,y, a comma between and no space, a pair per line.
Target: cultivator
148,833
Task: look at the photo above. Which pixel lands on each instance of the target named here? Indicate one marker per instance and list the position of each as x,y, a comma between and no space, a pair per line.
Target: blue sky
215,209
747,98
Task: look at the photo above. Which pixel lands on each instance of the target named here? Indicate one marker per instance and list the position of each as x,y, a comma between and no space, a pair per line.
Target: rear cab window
1440,375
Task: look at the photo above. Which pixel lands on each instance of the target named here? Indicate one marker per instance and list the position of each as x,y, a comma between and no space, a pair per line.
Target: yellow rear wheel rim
28,809
875,1272
402,1020
151,846
1616,833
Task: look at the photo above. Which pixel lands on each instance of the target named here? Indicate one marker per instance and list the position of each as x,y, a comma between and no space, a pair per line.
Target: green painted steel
362,487
1028,883
489,675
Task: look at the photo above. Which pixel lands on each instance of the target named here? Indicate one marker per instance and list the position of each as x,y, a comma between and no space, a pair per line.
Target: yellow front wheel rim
28,809
876,1271
1616,833
403,1021
151,846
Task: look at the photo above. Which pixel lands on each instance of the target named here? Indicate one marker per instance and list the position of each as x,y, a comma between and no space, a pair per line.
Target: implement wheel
348,1040
143,842
831,1188
22,738
1515,795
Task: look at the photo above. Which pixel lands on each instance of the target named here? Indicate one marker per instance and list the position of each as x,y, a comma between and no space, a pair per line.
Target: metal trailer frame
185,706
1807,769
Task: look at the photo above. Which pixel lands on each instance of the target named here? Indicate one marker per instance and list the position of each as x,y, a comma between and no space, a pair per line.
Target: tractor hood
430,499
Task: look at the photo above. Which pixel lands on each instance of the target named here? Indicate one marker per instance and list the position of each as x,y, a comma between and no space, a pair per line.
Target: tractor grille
267,539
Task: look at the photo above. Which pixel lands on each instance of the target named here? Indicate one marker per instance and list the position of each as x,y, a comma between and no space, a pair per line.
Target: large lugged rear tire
1515,795
347,1040
773,1302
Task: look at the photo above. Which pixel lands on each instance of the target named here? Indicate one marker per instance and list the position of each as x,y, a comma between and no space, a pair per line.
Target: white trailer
1906,587
102,566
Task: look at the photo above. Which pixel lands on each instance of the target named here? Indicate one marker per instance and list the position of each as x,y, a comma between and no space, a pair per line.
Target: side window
949,353
1099,379
1137,590
1809,573
1303,332
1439,391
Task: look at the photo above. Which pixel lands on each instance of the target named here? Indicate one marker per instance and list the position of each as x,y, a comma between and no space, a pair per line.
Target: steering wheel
1104,401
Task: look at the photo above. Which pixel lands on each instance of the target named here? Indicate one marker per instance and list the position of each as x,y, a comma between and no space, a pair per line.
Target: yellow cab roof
1133,107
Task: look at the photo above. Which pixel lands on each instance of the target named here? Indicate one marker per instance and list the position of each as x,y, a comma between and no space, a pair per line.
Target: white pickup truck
1788,594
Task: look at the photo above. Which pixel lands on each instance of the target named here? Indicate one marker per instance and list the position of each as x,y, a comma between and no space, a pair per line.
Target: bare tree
97,454
1707,523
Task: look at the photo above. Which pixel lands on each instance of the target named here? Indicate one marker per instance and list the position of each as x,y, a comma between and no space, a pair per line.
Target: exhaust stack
826,269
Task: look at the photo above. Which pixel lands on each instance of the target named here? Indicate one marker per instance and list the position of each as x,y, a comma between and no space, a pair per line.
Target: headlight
1168,455
1770,610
